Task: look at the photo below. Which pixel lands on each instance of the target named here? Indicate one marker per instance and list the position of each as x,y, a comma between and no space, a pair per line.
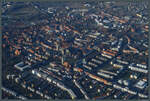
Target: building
22,66
141,84
135,68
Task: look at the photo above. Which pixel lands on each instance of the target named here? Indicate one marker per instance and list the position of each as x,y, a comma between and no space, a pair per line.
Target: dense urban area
75,50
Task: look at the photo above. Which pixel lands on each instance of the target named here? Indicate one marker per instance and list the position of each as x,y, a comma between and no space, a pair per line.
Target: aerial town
75,50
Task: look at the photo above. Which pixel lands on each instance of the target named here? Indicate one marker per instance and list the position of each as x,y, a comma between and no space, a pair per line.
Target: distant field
21,11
